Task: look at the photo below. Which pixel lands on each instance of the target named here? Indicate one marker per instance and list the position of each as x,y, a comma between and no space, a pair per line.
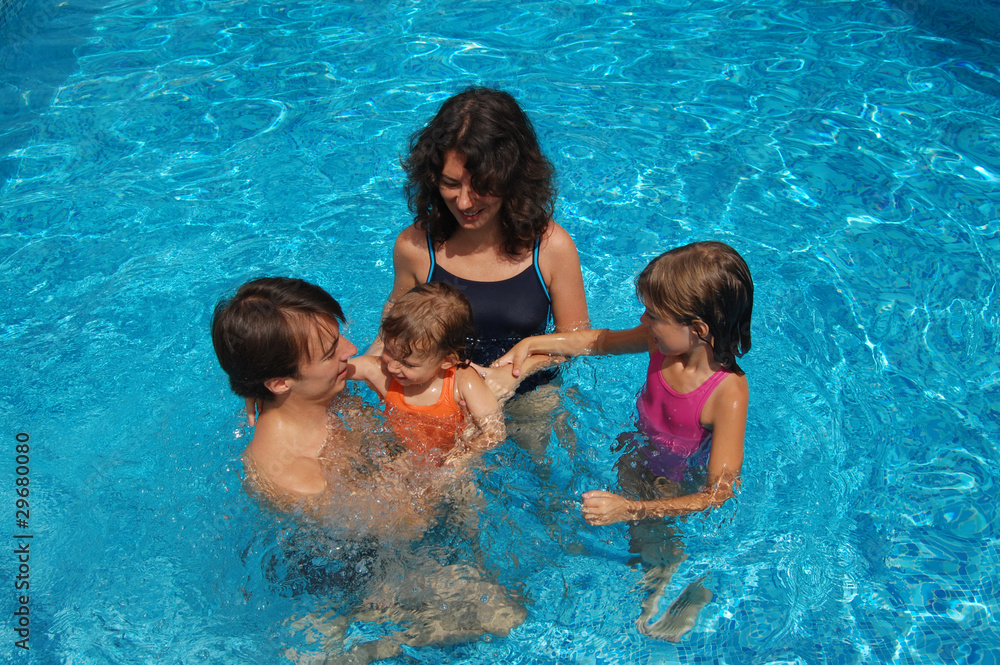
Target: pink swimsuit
672,421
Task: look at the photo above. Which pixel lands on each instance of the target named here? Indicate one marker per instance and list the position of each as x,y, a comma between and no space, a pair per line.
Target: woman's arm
559,263
410,265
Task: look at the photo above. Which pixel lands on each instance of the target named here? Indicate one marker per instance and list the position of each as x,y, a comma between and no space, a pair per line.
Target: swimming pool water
156,155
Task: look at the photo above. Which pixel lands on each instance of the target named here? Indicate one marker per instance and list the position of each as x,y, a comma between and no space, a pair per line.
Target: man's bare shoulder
278,465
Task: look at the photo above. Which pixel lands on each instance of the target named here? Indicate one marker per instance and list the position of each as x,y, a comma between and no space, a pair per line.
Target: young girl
699,299
692,410
424,377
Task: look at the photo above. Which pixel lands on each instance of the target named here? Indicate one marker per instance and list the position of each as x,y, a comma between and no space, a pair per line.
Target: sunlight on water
155,156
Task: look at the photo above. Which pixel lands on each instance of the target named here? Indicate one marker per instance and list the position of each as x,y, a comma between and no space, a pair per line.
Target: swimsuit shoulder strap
538,272
430,253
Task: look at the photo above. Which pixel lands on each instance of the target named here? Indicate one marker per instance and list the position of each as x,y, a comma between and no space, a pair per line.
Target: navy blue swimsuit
504,312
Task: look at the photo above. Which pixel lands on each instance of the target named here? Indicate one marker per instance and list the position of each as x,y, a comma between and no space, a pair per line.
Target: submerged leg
387,647
656,578
680,617
447,605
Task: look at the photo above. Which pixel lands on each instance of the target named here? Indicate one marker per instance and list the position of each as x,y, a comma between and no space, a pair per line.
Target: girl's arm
597,342
559,263
726,411
502,383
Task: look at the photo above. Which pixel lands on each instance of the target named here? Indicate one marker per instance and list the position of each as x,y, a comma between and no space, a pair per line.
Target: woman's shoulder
412,238
410,254
556,241
274,470
554,233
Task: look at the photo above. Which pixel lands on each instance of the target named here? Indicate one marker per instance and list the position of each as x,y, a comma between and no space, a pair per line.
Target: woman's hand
603,508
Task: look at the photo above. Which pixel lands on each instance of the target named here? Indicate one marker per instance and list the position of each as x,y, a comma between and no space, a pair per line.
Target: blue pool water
156,155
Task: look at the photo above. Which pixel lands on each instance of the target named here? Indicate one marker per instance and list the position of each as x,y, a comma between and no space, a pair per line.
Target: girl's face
672,338
417,369
471,210
324,373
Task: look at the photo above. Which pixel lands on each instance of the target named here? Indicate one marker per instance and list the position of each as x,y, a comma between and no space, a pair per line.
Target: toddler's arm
483,409
368,369
360,368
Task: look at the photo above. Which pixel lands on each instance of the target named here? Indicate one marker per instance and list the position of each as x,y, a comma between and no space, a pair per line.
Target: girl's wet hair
707,281
432,319
263,331
501,152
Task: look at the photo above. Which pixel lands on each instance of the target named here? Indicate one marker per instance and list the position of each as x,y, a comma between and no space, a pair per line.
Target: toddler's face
416,369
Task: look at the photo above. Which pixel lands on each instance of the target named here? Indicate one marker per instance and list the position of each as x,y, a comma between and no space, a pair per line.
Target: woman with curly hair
482,196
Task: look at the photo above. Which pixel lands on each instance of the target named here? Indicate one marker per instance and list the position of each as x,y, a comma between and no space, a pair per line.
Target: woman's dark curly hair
490,130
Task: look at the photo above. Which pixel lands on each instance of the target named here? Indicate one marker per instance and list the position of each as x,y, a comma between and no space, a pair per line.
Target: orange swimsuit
427,430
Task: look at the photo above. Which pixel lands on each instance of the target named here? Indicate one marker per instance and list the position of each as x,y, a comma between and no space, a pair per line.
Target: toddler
424,377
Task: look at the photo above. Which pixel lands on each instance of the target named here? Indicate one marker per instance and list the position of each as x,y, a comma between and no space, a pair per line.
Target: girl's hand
603,508
515,357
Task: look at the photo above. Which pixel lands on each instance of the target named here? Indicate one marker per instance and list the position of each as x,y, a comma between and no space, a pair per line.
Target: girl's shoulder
733,392
725,415
735,382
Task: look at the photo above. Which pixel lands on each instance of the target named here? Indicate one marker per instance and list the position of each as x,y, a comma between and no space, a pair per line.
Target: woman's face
472,210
